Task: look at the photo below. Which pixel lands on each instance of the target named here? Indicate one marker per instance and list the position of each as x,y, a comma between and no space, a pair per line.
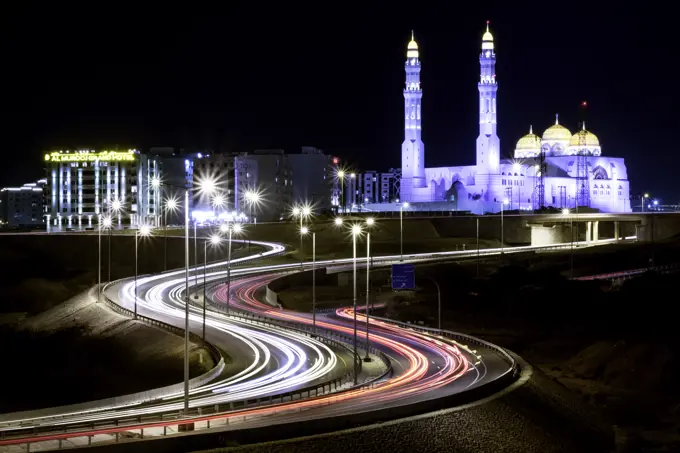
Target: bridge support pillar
596,230
589,231
617,231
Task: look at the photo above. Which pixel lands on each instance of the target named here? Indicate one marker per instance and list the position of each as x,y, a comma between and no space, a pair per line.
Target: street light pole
99,259
571,258
302,255
502,228
109,254
136,248
342,193
477,247
354,304
195,259
314,282
401,233
229,271
186,304
165,237
205,266
368,288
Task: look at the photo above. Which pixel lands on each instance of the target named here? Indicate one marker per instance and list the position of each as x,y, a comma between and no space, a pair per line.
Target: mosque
557,169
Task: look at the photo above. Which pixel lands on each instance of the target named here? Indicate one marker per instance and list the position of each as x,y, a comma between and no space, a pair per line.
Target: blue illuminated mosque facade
557,169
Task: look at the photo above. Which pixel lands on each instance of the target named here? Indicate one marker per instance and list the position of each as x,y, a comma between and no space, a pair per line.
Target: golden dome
487,36
585,138
557,132
412,45
530,141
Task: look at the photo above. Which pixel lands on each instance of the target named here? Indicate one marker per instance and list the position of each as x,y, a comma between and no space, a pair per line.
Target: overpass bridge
536,229
559,228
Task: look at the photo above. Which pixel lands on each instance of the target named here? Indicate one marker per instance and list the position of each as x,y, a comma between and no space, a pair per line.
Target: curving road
271,360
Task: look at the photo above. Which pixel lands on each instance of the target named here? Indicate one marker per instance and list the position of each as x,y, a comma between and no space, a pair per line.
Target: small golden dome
584,138
412,45
557,132
487,36
530,142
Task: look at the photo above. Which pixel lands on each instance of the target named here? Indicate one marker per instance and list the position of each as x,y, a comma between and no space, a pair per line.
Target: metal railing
458,337
626,275
231,409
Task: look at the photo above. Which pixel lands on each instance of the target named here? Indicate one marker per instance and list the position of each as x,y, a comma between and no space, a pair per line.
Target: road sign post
403,277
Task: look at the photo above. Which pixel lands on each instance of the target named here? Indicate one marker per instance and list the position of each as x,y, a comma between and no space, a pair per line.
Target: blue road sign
403,276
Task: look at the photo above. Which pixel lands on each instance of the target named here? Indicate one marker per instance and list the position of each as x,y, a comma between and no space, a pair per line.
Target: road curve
424,365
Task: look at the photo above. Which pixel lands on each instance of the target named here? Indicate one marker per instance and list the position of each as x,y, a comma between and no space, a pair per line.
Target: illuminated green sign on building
92,156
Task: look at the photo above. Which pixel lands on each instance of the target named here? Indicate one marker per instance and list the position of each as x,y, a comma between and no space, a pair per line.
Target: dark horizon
333,79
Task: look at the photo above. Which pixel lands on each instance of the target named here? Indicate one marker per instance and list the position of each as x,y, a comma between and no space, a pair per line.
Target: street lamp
186,303
114,208
107,224
369,223
143,231
356,231
338,221
230,229
206,186
252,198
174,205
404,205
503,204
99,256
644,197
353,176
156,184
477,246
214,240
171,204
341,175
219,200
566,212
303,212
304,231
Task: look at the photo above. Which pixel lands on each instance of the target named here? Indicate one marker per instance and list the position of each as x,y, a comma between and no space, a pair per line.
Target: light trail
424,364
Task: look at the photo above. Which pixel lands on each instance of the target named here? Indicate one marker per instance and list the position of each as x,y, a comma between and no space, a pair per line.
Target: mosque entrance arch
457,194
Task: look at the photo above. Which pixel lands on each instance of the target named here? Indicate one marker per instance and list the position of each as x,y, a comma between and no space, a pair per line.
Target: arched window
599,173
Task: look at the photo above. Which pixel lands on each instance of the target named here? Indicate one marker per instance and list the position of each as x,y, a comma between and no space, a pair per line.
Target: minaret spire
584,125
557,119
488,144
412,149
531,129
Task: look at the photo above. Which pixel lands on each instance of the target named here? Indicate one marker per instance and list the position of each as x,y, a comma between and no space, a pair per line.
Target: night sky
243,78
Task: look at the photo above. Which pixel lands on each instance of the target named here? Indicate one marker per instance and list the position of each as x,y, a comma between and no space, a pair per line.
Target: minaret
412,149
488,145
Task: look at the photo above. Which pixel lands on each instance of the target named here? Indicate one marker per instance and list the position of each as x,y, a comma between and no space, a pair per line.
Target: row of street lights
356,230
172,204
342,174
